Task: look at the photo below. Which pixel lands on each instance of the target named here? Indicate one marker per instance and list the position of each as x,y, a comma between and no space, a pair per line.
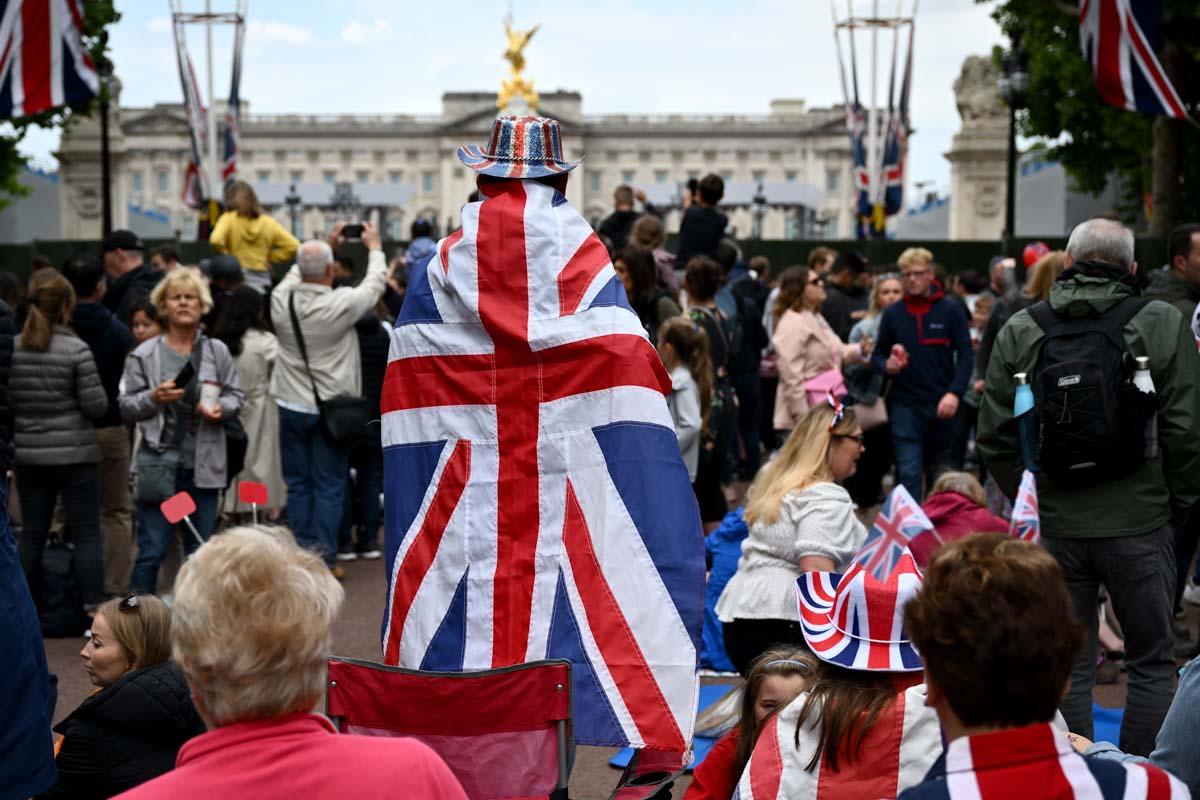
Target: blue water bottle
1026,421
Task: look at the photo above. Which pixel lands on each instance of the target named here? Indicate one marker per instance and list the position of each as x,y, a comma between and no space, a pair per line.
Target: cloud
358,32
278,33
159,25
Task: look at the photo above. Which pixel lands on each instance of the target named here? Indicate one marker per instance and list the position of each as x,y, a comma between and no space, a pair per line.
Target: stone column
978,154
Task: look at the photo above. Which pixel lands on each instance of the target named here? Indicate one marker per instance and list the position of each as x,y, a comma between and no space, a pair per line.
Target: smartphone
352,232
185,375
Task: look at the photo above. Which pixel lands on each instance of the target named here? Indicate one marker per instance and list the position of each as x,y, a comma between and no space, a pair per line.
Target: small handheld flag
900,519
253,494
179,508
1026,523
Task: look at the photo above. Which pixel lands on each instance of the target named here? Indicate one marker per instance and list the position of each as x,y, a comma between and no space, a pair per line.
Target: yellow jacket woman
255,239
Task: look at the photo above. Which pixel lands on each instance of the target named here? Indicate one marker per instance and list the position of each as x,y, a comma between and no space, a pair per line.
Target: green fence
955,256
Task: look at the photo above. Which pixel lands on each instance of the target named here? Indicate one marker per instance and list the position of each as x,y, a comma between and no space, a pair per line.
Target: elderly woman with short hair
252,629
182,427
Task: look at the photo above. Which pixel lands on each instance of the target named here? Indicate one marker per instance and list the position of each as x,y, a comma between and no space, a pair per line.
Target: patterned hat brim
817,595
476,158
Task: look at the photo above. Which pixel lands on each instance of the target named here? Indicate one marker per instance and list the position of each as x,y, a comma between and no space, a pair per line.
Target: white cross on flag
1026,524
900,519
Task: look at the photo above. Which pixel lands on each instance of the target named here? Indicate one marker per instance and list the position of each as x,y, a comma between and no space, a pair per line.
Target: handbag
237,443
345,418
156,471
871,415
818,388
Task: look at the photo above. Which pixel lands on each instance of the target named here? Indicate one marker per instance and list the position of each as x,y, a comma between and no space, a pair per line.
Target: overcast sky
638,56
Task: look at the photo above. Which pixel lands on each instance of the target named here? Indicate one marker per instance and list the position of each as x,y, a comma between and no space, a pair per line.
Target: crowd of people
971,666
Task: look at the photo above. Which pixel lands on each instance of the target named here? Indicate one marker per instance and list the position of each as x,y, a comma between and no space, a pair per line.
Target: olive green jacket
1163,488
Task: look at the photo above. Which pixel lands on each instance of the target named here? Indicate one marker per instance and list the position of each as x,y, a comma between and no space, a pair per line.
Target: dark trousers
314,468
155,532
79,487
1139,574
749,394
921,442
747,639
1187,536
362,498
766,422
866,484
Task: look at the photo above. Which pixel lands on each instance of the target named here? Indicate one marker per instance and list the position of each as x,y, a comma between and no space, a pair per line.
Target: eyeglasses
130,605
858,437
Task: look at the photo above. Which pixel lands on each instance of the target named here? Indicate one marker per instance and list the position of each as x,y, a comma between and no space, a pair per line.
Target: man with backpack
1109,488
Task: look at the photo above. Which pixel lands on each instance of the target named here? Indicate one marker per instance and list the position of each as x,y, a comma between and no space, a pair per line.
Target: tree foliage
98,15
1092,140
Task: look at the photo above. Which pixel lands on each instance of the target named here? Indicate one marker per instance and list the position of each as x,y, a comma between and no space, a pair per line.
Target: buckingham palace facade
787,172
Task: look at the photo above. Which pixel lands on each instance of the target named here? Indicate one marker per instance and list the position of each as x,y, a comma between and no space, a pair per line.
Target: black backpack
1091,418
60,609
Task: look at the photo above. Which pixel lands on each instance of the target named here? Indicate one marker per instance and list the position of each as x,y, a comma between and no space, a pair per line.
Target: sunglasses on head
130,605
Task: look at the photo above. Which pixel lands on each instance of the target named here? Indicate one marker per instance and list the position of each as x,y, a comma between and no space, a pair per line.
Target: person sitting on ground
702,226
634,265
131,729
956,507
776,678
996,694
800,519
864,729
252,629
251,236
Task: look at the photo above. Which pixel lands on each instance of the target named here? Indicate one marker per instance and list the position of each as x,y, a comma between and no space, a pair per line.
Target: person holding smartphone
183,439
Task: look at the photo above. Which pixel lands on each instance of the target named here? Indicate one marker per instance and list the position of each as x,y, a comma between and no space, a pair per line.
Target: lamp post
758,206
293,203
1013,84
105,68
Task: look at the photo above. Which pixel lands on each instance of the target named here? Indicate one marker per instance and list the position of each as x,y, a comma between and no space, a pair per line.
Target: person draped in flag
800,519
538,505
864,729
996,695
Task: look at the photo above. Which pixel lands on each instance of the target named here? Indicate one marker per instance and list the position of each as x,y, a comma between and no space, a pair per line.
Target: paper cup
210,394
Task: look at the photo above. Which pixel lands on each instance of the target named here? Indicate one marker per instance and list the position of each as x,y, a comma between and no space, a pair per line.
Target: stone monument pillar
978,155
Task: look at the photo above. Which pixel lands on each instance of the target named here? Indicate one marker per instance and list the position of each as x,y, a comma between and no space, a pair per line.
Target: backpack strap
1111,323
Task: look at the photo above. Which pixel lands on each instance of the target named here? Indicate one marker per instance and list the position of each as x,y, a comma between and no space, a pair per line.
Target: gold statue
516,83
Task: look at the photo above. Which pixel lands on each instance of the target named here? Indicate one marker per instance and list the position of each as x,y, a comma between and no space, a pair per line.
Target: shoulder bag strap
303,349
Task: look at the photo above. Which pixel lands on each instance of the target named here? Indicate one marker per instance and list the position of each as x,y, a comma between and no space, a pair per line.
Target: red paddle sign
252,493
176,508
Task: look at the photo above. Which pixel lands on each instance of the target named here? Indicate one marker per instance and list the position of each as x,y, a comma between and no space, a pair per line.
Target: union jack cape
1118,38
900,519
899,749
537,503
43,63
1026,522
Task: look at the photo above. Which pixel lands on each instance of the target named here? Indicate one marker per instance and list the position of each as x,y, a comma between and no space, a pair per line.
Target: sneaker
370,554
1191,593
346,555
337,571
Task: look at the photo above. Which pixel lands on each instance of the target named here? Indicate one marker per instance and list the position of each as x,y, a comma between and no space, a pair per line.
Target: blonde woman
131,729
806,347
255,239
252,630
183,438
800,519
55,393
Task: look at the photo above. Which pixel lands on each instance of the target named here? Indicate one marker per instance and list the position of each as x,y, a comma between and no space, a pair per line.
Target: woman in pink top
252,629
805,344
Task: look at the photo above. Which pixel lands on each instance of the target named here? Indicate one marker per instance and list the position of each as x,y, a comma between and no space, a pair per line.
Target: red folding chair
505,733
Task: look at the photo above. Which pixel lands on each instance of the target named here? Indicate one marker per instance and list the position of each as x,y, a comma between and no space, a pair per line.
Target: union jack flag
855,125
900,519
233,115
43,63
1026,523
195,180
896,139
1118,40
537,503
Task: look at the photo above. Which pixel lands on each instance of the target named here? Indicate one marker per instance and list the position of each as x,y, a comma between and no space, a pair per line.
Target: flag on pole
195,180
900,519
43,63
1026,523
233,114
537,504
896,140
1118,38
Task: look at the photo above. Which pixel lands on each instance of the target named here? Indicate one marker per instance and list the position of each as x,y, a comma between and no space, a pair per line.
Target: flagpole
872,120
214,174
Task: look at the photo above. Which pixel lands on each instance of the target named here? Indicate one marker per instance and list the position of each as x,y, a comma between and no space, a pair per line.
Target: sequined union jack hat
520,147
855,621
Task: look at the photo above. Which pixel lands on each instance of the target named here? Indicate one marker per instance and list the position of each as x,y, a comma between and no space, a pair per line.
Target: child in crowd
776,678
144,321
683,347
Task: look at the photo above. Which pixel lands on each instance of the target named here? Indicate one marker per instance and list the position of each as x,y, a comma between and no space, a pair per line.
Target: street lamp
293,203
1013,85
105,70
758,208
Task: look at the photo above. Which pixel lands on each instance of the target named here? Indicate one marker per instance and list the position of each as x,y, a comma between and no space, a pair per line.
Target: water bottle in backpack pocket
1092,419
